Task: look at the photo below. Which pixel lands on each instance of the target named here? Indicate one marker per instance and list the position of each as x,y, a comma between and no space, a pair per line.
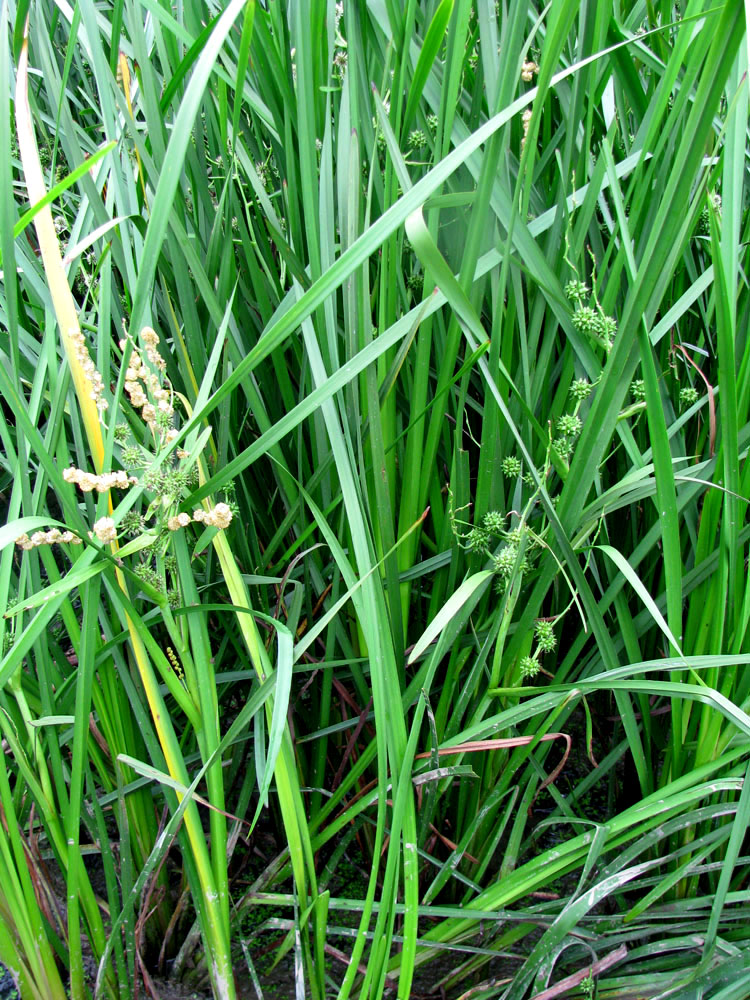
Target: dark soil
8,989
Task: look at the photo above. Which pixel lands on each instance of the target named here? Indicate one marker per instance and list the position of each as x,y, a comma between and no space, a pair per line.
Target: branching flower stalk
513,559
90,399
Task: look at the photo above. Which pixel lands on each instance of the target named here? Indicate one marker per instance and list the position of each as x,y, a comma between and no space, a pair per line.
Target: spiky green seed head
149,575
133,524
173,482
585,319
163,420
606,326
132,457
477,540
580,389
511,466
153,480
529,667
638,390
576,290
157,545
564,447
505,560
514,536
493,522
569,425
545,636
688,395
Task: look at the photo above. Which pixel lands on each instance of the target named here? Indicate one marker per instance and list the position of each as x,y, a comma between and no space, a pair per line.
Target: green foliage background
453,306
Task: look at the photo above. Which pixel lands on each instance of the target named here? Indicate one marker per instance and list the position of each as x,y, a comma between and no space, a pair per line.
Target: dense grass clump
376,386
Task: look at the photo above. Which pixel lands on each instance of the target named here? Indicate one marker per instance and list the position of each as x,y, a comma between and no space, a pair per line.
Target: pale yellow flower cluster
525,118
139,378
144,379
88,481
219,516
179,521
528,70
52,537
105,530
84,359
